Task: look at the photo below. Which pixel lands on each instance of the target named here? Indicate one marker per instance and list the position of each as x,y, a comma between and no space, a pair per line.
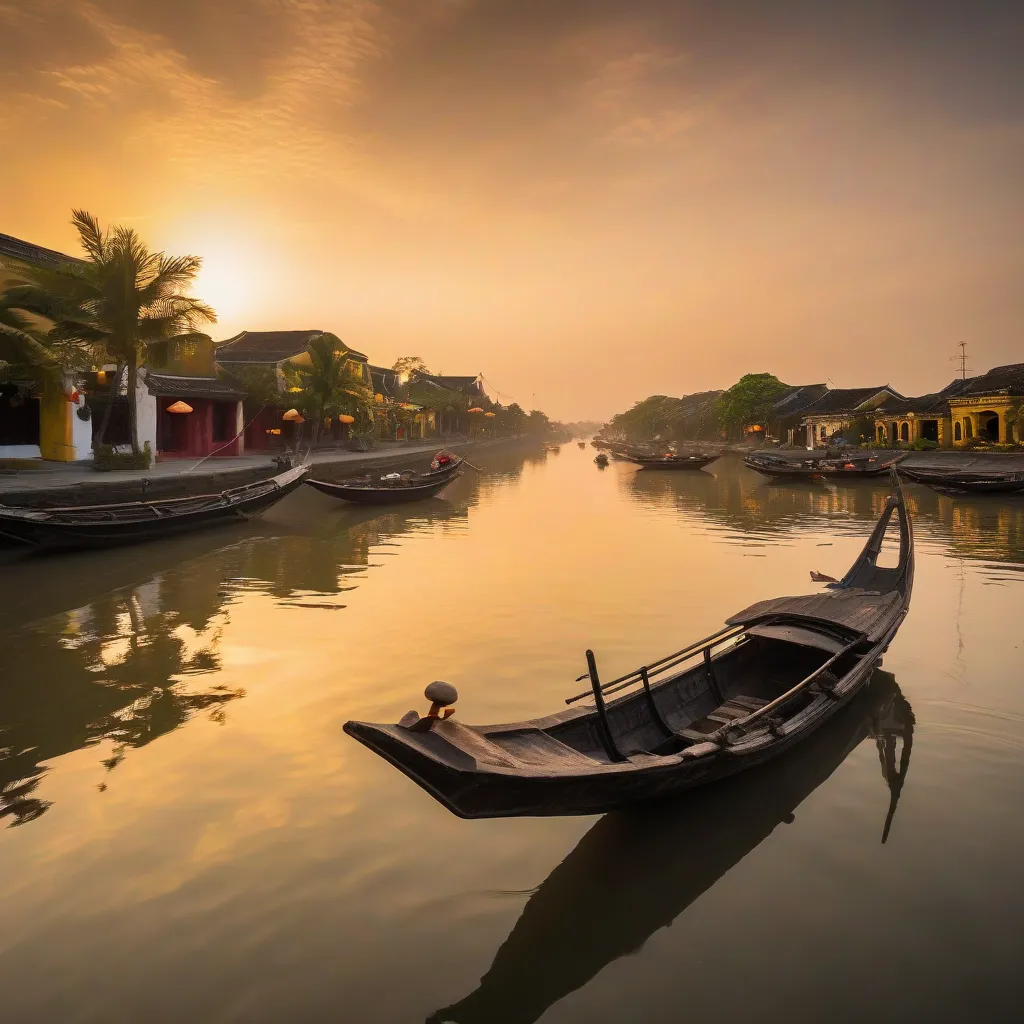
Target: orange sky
587,200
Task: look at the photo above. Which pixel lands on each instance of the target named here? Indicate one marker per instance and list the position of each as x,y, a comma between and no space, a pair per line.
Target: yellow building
990,407
40,420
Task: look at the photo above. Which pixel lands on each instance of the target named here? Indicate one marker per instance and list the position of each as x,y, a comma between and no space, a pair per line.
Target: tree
750,401
410,364
328,388
537,423
121,299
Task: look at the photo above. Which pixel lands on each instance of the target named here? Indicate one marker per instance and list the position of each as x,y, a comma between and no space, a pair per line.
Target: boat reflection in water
142,659
664,857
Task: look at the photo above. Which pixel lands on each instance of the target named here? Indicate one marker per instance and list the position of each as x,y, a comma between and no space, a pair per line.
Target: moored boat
395,488
672,461
981,482
763,683
830,466
581,444
95,526
601,460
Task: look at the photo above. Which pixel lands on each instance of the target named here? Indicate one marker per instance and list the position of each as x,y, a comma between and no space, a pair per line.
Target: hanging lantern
295,391
476,408
489,414
293,416
345,418
179,407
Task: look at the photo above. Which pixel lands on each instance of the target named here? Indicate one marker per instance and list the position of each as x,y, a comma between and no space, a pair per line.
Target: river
194,837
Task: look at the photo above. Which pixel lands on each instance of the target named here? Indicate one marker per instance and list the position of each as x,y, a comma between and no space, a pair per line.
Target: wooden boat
395,488
831,466
601,460
967,483
94,526
766,681
581,444
663,858
672,461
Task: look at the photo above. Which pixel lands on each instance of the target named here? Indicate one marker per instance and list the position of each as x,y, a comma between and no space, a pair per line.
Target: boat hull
831,469
107,530
369,495
675,464
968,483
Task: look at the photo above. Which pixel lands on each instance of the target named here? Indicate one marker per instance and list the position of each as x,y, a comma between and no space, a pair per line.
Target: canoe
967,483
762,684
849,466
97,526
673,461
408,487
662,858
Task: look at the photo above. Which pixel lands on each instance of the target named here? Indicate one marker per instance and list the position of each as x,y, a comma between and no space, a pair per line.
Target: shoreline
79,484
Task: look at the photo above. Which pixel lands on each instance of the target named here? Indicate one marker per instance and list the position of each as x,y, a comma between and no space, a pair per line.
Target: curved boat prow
865,573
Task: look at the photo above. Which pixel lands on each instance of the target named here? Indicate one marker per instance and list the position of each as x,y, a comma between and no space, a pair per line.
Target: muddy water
193,837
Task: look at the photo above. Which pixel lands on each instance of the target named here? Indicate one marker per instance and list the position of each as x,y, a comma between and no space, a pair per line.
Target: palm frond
90,235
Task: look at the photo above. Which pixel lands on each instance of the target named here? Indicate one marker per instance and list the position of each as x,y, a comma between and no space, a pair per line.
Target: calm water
195,838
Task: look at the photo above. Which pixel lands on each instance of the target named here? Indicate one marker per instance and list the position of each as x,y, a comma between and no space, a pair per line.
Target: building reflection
141,659
988,527
664,857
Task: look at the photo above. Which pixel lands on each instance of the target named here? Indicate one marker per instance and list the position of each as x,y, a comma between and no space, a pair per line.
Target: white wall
19,451
145,413
240,427
81,432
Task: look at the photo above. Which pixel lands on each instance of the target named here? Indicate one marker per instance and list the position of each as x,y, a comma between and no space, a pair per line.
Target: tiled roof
385,380
165,385
845,400
25,252
466,385
263,346
1007,379
936,403
798,399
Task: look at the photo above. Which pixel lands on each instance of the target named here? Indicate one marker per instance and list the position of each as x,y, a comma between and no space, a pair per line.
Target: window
904,431
355,369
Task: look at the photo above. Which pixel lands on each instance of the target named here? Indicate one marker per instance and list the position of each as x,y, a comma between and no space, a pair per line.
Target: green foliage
327,386
261,388
120,300
107,458
689,417
750,401
409,364
922,444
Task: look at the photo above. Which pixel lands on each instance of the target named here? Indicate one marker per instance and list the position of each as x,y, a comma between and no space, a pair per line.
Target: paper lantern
476,408
295,391
491,414
293,416
345,418
179,406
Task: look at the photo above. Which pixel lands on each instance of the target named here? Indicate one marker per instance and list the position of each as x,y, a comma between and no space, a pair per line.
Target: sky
588,201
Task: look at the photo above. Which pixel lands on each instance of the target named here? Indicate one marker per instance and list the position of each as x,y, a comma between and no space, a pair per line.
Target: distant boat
832,466
395,488
581,444
951,482
672,461
98,526
601,460
766,681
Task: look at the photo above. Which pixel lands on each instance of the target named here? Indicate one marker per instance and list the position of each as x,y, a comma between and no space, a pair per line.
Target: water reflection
139,661
634,873
983,528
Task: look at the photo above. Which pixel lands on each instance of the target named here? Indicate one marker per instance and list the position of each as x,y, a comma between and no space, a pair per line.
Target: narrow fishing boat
601,460
396,488
831,466
96,526
981,482
664,857
581,444
673,461
763,683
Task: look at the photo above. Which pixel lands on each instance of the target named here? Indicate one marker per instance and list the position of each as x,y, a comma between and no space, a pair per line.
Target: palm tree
121,299
328,388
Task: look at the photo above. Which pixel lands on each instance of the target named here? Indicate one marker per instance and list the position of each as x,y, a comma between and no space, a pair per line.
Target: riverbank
79,484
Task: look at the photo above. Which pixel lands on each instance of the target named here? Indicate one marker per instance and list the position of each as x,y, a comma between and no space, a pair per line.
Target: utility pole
962,359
